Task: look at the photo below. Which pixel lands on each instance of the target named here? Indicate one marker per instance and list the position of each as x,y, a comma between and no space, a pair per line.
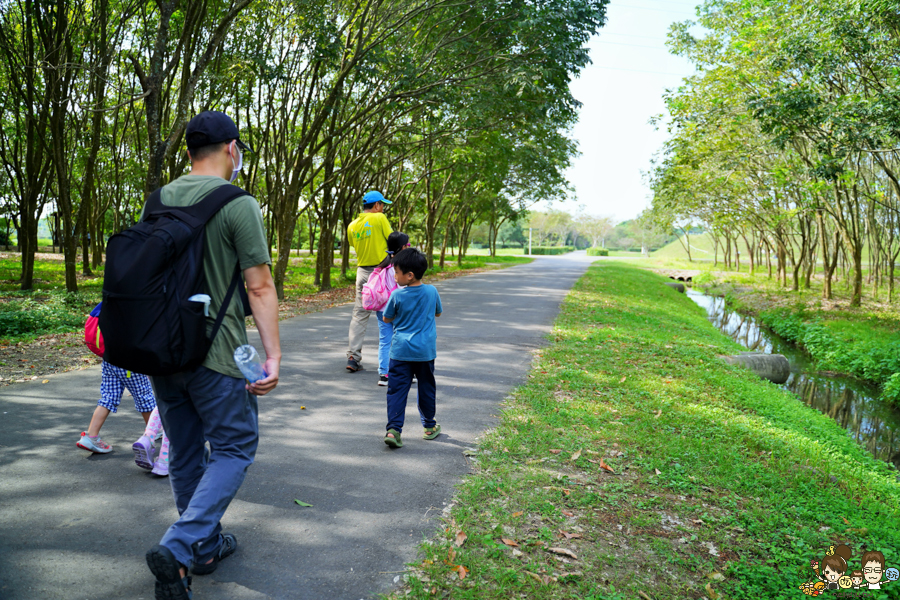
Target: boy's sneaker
93,444
432,432
161,468
392,438
143,452
382,380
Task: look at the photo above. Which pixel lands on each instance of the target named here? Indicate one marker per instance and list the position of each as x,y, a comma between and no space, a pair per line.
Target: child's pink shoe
143,452
161,468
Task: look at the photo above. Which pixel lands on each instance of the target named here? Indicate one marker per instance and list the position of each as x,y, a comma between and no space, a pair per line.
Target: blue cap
373,197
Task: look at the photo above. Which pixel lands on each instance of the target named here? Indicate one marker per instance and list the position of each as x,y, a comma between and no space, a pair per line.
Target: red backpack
92,336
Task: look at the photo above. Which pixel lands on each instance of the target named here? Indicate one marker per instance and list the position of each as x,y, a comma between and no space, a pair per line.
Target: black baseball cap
212,127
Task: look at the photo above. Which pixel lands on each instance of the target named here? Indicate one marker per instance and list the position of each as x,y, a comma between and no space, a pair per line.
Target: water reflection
854,405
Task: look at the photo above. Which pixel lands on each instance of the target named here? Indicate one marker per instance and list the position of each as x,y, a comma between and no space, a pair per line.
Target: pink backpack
377,290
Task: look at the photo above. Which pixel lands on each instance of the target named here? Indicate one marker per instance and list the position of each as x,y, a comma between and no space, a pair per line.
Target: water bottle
248,361
204,298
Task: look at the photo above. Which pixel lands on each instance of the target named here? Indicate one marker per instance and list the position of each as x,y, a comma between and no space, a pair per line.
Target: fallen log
774,367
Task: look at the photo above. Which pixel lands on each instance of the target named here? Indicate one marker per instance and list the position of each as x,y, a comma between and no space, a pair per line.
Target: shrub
705,278
597,252
891,392
843,349
59,313
547,250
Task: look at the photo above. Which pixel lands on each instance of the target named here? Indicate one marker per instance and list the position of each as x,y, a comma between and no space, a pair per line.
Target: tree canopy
459,112
787,136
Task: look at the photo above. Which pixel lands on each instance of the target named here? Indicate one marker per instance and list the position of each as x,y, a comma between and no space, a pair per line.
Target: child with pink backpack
375,295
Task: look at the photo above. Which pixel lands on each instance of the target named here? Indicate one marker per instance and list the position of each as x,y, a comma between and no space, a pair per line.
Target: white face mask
240,163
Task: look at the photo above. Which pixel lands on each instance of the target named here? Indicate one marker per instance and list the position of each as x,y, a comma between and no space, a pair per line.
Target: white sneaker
382,380
93,444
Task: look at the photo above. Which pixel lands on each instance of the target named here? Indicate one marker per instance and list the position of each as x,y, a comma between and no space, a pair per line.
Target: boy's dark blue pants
196,407
400,374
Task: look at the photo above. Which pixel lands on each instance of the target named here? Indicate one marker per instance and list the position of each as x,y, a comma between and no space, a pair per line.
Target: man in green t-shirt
213,402
368,235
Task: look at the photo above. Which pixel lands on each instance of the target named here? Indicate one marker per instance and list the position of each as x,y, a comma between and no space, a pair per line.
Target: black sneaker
382,380
352,365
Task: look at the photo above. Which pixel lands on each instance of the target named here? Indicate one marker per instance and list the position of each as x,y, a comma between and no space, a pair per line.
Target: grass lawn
635,464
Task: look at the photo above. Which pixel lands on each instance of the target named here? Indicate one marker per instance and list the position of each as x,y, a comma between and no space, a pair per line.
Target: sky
621,91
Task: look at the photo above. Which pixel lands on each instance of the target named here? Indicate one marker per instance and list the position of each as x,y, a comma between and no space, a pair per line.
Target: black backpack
148,324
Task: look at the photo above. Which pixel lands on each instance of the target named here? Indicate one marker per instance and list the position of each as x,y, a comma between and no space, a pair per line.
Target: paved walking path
75,526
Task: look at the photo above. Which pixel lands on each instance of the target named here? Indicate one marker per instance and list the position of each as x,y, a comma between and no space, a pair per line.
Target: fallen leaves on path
460,539
605,466
563,552
462,571
576,455
542,579
509,542
570,536
301,502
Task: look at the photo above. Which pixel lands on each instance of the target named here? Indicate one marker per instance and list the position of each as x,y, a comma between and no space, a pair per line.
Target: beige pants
360,318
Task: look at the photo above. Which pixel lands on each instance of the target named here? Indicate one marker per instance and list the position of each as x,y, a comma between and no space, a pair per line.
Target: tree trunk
856,295
285,236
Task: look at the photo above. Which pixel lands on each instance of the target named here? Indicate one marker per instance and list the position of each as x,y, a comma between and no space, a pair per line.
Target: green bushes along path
859,346
634,463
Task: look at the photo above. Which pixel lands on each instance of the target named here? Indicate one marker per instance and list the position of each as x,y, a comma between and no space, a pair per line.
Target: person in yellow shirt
368,235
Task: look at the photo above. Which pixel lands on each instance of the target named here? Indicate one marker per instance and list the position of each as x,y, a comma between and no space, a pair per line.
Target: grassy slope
724,484
703,249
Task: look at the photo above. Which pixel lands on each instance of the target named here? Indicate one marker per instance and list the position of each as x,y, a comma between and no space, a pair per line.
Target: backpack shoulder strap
216,200
154,204
197,214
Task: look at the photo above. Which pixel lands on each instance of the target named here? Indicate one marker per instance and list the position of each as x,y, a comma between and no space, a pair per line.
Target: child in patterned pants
143,448
114,381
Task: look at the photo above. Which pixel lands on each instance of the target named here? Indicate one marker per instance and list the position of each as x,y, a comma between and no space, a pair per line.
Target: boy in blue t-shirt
412,309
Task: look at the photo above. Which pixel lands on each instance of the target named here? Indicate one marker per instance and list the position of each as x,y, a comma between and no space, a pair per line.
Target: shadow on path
76,526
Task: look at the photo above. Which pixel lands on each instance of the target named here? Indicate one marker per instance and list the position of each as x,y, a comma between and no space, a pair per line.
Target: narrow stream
853,404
